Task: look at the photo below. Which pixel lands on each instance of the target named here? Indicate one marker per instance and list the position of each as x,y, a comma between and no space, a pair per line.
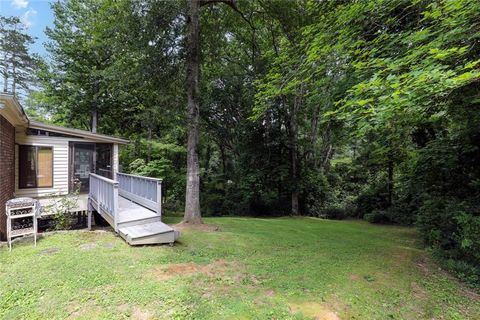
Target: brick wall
7,170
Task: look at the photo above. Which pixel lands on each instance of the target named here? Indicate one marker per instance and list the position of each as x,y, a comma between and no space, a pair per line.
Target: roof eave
16,114
77,132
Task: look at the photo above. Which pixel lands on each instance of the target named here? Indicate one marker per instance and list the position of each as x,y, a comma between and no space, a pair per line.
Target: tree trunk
5,76
224,160
295,206
5,83
14,79
390,183
94,116
192,195
149,150
208,156
293,158
5,73
294,177
328,157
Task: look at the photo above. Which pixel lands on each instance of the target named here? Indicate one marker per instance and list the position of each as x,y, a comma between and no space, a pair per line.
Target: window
35,167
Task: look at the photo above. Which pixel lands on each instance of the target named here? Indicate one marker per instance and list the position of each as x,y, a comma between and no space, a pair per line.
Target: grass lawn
285,268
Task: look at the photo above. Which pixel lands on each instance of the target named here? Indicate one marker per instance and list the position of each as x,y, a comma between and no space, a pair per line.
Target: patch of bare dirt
196,227
49,251
269,293
313,310
403,254
264,299
418,291
423,265
213,269
139,314
123,307
77,310
354,277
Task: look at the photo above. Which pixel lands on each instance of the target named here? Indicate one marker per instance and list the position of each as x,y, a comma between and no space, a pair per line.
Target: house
46,161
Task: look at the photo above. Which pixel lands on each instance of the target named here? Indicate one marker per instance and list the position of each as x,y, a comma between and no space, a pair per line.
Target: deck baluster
132,205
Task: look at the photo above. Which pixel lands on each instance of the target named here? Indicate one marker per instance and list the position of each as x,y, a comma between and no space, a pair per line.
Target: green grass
285,268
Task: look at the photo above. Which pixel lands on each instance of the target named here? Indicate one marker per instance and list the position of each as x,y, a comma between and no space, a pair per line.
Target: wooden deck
130,212
132,206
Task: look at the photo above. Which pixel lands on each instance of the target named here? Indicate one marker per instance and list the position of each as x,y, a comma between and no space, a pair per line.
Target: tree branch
232,4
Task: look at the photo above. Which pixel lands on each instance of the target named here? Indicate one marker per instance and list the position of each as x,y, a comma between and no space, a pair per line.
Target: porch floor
130,211
132,206
139,225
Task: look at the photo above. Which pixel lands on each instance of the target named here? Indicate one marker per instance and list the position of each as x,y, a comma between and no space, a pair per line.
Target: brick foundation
7,170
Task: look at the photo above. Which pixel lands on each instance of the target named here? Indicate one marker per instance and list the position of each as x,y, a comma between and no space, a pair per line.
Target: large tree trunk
293,157
94,119
192,195
294,172
295,205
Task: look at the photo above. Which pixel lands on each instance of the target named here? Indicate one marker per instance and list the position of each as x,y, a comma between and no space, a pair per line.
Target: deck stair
148,233
132,206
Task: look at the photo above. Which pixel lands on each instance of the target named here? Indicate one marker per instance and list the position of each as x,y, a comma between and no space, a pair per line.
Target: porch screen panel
104,159
45,167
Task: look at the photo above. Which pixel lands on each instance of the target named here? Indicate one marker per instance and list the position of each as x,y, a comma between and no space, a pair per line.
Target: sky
35,14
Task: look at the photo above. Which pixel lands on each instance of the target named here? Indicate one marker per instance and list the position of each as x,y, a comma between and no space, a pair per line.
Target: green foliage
155,168
332,213
60,209
373,199
366,107
378,216
119,67
173,183
17,63
452,229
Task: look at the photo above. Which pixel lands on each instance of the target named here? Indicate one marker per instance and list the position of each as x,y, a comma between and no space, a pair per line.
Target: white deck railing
104,196
145,191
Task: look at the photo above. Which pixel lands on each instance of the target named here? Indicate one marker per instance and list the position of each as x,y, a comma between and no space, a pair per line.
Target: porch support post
89,218
115,206
159,197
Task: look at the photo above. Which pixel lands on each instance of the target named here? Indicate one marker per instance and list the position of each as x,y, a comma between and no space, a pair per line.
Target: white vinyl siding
60,163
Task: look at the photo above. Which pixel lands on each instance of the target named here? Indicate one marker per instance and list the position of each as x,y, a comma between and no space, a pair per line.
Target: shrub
373,199
378,216
60,210
464,271
452,229
402,214
332,213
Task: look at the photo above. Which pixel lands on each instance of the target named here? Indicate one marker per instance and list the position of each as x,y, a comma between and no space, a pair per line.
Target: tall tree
192,194
17,64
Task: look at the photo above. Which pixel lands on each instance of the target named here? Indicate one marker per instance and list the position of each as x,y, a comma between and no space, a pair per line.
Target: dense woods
365,109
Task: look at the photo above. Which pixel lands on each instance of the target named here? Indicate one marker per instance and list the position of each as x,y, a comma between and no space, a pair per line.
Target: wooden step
149,233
